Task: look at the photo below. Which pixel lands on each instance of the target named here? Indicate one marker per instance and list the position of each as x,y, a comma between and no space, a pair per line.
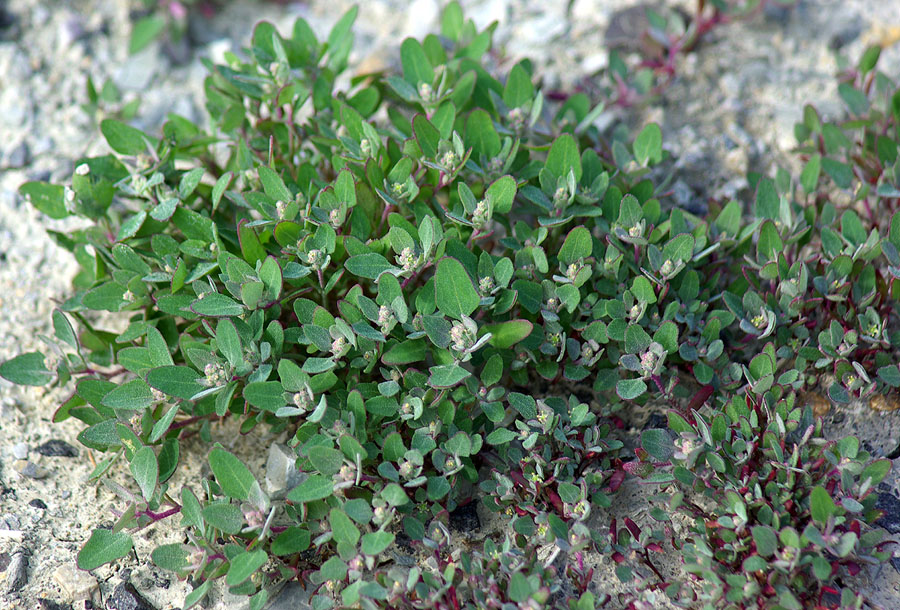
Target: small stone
20,451
29,469
292,597
38,503
49,604
57,448
126,597
281,470
76,585
890,507
819,403
17,572
880,402
18,156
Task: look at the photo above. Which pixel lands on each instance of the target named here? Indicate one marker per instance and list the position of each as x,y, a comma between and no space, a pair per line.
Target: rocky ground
730,110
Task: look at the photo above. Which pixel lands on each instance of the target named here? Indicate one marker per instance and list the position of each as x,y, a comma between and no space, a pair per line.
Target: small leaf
177,381
370,265
265,395
374,543
629,389
145,470
563,157
46,198
27,369
244,565
145,30
315,487
578,245
657,443
134,396
104,546
506,334
648,145
214,305
233,476
821,506
454,292
122,138
765,539
447,375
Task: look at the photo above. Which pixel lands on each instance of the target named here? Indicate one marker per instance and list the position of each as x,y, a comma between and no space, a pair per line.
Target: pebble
292,597
49,604
126,597
57,448
29,469
38,503
281,470
880,402
18,156
76,585
20,451
16,572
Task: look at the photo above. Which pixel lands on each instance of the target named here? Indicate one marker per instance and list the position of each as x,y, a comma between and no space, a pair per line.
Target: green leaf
244,565
679,248
839,172
145,470
326,460
524,404
315,487
447,375
564,156
225,517
636,339
657,443
629,389
407,352
144,32
876,471
767,202
578,245
27,369
454,292
233,476
374,543
177,381
809,178
122,138
370,265
273,185
506,334
769,245
46,198
104,546
172,557
215,305
265,395
416,67
134,396
518,90
502,193
229,342
729,219
342,527
648,145
481,135
765,539
821,506
500,436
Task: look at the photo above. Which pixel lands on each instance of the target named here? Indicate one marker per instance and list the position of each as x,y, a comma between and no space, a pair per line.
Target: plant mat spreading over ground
631,346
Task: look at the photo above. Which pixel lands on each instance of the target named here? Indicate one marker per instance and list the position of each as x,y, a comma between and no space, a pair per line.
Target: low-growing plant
442,287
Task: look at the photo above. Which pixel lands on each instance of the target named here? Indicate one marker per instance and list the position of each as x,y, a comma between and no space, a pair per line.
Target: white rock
76,585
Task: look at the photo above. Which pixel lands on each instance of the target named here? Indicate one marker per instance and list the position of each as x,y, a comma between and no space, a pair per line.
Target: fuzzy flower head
407,259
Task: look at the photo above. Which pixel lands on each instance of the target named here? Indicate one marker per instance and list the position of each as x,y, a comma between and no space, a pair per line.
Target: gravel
731,110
